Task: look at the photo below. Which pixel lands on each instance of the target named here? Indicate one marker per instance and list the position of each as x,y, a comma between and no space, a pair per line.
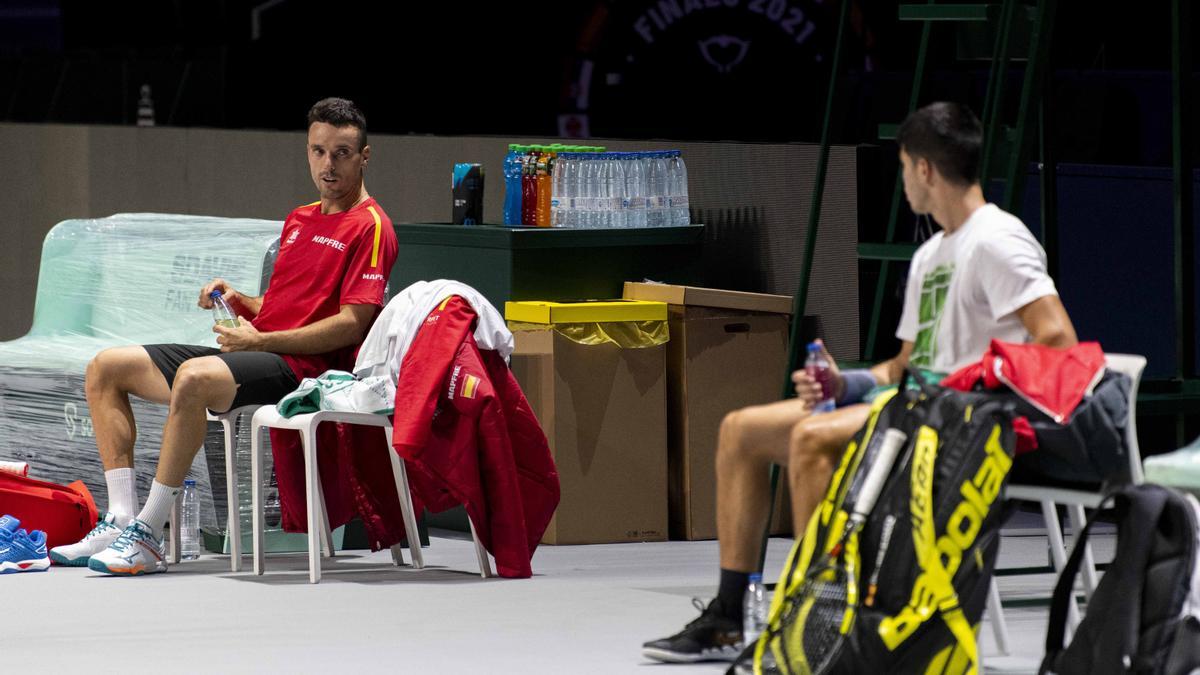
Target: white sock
157,510
122,494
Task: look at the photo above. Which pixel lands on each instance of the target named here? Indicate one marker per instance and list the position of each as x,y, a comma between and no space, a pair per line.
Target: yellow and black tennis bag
905,591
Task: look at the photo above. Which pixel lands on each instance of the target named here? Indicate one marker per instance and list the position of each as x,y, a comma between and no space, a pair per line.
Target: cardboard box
728,350
604,410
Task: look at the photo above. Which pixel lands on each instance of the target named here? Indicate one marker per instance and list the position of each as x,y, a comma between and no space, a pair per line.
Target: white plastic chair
228,420
318,517
1076,501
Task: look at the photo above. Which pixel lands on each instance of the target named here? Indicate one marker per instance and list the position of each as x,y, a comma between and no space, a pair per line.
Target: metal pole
810,245
1185,235
1049,173
1035,69
885,267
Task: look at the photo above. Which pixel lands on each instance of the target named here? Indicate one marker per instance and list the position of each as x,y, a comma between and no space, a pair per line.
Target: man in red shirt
326,288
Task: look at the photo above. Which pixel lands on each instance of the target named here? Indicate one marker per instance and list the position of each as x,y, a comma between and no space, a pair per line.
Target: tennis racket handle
893,440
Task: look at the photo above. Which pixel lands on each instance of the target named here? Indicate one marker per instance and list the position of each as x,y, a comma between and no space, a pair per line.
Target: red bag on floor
64,513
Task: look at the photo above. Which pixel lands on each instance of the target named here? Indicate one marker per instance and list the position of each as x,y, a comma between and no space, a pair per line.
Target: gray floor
587,611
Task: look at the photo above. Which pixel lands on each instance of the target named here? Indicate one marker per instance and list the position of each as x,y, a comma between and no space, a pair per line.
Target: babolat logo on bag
893,570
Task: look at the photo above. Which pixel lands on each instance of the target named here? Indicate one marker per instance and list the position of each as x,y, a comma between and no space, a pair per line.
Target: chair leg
398,554
995,612
176,537
1058,554
1078,521
234,529
256,492
406,507
312,479
326,531
485,564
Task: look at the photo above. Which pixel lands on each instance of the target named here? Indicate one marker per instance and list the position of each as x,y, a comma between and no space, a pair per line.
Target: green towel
336,390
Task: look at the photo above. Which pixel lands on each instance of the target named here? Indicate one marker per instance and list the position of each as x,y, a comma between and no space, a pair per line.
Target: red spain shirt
324,262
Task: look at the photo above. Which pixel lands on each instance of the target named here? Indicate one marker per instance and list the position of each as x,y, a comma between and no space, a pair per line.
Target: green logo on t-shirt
933,298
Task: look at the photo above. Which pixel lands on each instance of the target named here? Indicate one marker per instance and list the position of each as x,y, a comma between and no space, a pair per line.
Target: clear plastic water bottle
558,190
589,180
677,183
656,177
189,526
754,610
571,188
602,190
818,368
223,314
619,214
512,185
609,193
635,190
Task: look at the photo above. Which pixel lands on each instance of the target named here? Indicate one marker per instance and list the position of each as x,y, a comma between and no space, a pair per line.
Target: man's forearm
888,372
252,306
320,337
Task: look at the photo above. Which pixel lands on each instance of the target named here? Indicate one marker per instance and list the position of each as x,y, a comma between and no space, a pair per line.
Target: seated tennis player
982,277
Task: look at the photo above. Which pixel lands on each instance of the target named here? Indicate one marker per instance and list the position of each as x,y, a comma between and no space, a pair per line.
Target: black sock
731,592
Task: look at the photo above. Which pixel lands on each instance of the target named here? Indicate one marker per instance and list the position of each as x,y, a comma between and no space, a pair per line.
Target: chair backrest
134,278
1131,365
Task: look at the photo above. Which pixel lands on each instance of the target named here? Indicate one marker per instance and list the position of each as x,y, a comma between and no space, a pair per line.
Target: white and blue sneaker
24,552
102,536
8,527
136,551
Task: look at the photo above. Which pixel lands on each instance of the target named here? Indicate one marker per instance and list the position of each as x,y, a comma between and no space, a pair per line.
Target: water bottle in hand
222,313
754,610
189,527
819,369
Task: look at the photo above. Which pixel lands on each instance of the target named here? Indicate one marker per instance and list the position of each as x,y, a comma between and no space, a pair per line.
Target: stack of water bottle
527,181
596,189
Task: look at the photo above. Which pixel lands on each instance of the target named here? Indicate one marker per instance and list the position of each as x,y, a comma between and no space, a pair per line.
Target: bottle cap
814,346
189,483
755,578
215,294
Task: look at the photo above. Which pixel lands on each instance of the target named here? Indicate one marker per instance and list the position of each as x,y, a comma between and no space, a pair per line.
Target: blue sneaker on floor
8,525
24,552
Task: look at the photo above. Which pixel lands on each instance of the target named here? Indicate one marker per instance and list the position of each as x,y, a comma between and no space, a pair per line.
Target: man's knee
104,371
731,433
810,445
198,381
729,424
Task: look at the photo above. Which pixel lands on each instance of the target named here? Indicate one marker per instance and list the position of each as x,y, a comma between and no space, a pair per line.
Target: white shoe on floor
135,552
105,532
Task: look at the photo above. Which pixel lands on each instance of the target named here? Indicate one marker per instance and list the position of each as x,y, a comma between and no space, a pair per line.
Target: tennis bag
1144,616
66,513
900,587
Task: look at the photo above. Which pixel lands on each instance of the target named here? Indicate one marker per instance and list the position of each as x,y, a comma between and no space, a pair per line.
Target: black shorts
262,377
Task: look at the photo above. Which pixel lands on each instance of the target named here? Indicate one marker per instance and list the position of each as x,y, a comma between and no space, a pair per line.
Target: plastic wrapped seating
123,280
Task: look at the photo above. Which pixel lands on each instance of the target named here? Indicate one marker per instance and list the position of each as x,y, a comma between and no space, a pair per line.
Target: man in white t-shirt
982,277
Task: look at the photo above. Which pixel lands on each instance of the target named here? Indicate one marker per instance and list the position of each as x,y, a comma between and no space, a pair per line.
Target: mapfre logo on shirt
329,241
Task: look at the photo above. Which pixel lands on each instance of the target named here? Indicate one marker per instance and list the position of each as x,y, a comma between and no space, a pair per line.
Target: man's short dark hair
340,112
948,136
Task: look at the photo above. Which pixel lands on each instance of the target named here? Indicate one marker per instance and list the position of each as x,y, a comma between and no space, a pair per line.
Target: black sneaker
712,637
